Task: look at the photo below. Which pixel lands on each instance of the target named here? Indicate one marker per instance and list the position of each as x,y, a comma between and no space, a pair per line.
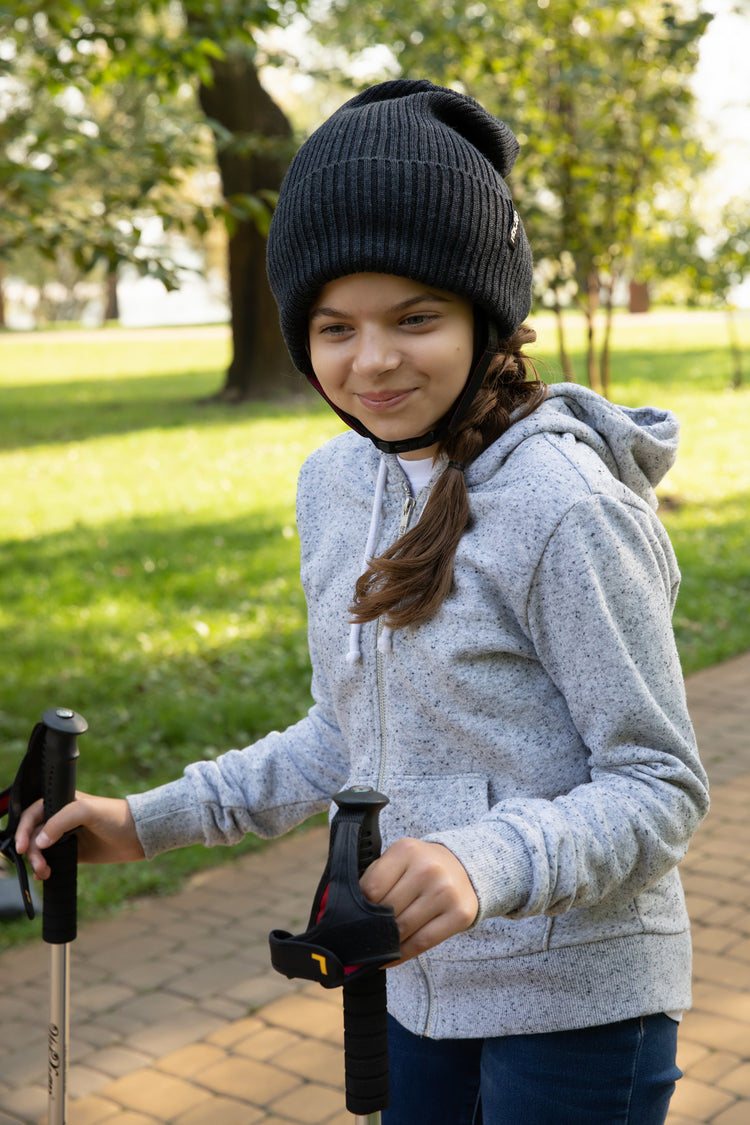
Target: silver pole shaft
368,1119
57,1046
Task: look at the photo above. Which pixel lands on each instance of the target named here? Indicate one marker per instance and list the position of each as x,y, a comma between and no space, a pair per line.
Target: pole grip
365,999
59,757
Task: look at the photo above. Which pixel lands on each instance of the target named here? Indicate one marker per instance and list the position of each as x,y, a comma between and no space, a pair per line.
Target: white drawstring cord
385,640
355,651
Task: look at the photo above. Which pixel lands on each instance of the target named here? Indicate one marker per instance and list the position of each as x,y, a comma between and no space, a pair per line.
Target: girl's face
394,353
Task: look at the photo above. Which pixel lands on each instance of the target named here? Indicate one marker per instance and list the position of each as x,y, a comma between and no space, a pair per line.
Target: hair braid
408,582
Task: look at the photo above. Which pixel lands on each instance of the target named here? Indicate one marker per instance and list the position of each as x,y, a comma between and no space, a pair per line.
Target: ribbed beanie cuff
407,179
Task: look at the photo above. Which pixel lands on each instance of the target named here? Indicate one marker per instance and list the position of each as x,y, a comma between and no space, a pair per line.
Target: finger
30,819
39,835
425,938
382,876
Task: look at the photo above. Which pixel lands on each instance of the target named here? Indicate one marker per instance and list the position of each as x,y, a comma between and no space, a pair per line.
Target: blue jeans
618,1074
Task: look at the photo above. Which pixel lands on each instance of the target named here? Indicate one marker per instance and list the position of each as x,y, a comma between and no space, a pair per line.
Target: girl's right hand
104,827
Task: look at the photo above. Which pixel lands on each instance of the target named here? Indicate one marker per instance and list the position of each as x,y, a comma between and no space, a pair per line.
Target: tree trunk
260,364
736,350
605,361
592,305
111,303
565,361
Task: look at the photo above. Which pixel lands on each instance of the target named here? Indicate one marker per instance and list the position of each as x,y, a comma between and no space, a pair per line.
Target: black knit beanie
407,178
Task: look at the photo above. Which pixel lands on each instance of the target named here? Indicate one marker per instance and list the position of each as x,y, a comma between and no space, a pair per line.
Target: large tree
157,48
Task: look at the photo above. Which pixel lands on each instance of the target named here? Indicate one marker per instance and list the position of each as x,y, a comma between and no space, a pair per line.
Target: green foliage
100,128
599,96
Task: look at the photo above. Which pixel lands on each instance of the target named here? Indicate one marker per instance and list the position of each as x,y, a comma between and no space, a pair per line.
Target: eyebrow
428,295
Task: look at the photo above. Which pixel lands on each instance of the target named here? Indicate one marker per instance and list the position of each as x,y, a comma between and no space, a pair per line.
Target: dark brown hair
408,582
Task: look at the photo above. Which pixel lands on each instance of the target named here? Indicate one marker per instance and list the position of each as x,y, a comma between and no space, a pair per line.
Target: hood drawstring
355,651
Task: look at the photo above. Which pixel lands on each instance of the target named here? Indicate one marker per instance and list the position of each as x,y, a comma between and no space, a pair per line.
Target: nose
374,352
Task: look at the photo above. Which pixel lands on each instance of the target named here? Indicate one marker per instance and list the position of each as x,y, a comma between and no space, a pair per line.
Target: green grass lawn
149,558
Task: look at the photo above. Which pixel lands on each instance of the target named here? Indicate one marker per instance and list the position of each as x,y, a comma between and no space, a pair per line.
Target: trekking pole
348,942
59,754
365,999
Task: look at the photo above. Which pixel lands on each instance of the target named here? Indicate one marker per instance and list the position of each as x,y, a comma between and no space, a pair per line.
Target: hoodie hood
638,446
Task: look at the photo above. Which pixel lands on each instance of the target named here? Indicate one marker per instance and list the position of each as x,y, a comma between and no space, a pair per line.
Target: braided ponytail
408,582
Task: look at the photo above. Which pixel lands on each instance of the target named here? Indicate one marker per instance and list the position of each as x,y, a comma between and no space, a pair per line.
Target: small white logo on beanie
514,230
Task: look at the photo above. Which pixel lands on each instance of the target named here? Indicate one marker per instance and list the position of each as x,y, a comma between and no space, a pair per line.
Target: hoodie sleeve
267,788
599,615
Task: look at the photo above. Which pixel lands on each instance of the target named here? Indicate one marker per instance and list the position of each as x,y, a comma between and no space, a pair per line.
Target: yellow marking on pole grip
319,957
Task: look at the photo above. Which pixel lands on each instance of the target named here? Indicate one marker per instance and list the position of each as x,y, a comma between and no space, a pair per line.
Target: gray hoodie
536,725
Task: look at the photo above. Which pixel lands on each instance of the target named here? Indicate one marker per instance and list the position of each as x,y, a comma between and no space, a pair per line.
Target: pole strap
347,936
27,787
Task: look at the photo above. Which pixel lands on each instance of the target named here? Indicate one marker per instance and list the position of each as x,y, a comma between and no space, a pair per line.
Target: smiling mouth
382,400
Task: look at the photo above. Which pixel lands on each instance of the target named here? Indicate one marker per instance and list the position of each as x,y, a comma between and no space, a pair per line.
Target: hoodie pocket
420,806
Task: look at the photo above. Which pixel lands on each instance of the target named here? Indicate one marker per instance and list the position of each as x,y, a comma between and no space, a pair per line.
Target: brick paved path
176,1016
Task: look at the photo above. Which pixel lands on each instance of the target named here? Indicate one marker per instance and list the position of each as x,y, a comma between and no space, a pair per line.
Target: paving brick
93,1110
158,1005
223,1111
221,976
224,1007
129,1118
319,1062
160,1038
310,1104
699,1100
716,939
6,1120
266,1043
83,1080
101,997
235,1032
721,1000
256,1082
721,970
26,1102
737,1081
190,1061
307,1016
738,1114
718,1032
256,992
116,1061
714,1066
689,1054
151,1092
25,1065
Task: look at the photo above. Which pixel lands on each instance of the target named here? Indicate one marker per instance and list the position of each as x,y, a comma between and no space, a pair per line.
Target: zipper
410,504
430,997
407,511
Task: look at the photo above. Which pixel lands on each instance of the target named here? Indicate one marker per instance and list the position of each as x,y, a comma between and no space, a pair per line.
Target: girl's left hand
429,890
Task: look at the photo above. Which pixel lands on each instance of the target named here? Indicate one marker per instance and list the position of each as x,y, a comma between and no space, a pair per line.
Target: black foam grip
366,1044
59,917
59,923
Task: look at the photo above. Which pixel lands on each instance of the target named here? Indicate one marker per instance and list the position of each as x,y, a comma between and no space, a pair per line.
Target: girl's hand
428,889
104,826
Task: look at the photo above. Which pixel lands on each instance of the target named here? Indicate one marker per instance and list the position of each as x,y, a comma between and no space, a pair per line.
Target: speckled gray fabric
536,725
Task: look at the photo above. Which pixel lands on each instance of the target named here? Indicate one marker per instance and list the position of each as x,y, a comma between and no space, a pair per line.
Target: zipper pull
410,504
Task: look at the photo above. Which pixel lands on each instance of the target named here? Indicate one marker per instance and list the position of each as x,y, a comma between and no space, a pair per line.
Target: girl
502,663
